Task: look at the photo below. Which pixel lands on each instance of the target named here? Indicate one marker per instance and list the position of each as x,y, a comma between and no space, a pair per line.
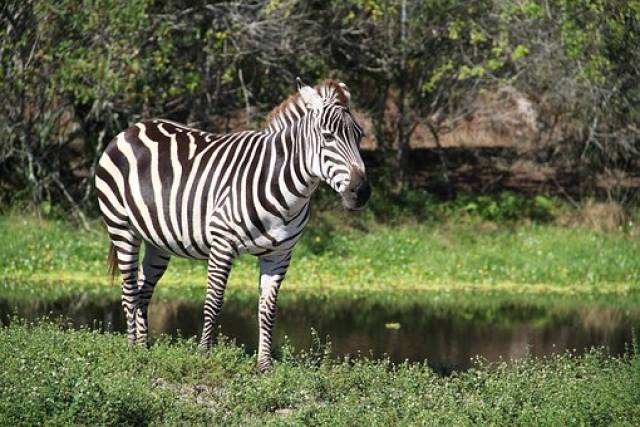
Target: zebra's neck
294,146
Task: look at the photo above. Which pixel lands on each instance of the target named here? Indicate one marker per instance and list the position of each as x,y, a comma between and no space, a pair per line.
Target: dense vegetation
82,377
72,77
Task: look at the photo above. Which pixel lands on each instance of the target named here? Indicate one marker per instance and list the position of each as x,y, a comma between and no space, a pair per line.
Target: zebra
190,193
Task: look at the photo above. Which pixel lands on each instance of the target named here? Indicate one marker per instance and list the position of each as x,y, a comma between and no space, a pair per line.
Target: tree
418,57
581,62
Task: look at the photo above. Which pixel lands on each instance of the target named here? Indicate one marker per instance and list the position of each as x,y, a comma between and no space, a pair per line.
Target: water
448,342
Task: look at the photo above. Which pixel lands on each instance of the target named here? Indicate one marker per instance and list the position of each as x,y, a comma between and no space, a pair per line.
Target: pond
414,333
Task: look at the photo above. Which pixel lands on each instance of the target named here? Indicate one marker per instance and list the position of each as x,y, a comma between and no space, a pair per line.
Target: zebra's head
335,141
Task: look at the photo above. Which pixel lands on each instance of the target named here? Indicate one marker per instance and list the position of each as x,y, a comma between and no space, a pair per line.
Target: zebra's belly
276,237
182,249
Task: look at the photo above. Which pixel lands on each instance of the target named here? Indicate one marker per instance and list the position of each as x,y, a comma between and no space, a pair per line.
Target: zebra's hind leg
272,271
219,265
153,266
127,248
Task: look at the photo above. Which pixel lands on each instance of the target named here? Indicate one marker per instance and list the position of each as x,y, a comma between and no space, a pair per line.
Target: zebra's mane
327,89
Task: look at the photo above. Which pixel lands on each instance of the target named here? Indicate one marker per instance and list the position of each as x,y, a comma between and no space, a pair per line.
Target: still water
448,342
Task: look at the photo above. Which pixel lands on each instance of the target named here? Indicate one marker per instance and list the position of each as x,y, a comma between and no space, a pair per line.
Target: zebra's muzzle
357,193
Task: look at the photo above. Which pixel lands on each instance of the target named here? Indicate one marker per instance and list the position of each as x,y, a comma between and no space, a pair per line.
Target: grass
52,259
62,376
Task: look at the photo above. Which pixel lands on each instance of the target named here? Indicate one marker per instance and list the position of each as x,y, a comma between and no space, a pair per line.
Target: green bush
386,206
509,206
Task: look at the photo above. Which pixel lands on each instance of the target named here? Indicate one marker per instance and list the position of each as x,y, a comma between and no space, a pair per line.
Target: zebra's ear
309,95
346,93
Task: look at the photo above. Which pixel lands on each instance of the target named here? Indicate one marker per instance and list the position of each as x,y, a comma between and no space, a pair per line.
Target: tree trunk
403,134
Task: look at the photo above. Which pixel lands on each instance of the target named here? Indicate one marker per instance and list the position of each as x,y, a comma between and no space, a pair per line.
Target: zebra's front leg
154,264
272,271
219,264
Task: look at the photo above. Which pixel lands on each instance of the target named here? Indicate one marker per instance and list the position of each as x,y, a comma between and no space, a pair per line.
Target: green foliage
60,376
88,378
95,54
577,56
389,207
509,206
75,76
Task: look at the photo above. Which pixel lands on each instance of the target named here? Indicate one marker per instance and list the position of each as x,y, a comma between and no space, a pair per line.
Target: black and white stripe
194,194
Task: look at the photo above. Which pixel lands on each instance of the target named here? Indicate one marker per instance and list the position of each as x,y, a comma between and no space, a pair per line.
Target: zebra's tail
112,262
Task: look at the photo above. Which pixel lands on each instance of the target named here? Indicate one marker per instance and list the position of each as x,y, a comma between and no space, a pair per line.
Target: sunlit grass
405,256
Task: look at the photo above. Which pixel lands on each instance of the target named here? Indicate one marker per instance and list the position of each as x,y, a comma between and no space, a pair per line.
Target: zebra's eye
328,137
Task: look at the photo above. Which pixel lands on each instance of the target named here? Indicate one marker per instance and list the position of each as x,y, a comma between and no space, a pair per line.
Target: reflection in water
446,342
